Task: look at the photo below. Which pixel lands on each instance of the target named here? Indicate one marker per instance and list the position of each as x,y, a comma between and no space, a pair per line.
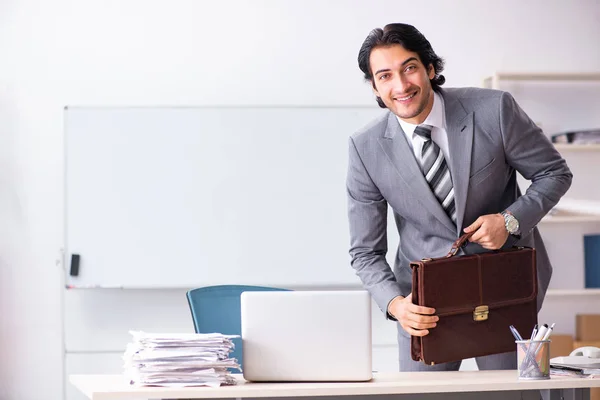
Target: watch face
512,225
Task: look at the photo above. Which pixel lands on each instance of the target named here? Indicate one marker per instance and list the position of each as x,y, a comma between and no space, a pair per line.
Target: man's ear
374,88
431,71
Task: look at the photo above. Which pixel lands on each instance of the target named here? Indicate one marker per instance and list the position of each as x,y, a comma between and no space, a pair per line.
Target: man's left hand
490,231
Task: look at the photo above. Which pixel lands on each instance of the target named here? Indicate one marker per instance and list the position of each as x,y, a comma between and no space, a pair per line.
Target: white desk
113,387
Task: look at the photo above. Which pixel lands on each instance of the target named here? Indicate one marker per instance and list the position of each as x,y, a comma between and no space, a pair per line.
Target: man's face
402,82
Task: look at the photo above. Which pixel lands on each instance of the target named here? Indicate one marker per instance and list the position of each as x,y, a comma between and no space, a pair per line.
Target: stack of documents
178,360
575,365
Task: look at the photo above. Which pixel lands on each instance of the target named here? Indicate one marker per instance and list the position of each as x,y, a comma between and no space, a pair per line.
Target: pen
533,332
515,333
549,332
541,332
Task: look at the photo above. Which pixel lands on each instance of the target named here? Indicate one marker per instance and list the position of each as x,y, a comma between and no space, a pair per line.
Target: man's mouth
406,98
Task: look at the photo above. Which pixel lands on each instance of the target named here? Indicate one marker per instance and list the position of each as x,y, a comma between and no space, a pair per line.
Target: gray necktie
436,171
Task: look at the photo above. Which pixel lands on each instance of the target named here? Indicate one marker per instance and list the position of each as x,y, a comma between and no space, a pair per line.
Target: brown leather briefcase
477,297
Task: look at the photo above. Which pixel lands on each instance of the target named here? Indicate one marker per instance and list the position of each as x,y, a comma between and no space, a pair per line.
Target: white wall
134,52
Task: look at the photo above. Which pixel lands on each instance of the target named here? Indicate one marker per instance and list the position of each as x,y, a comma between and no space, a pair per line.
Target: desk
402,384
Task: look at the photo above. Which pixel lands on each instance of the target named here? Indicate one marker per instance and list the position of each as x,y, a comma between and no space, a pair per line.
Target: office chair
218,309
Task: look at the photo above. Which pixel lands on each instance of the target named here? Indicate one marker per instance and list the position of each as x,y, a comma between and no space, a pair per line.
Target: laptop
299,336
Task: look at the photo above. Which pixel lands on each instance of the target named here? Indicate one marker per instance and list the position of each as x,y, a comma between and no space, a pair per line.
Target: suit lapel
459,126
399,153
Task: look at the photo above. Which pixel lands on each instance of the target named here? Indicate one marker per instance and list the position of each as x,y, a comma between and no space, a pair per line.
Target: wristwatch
511,223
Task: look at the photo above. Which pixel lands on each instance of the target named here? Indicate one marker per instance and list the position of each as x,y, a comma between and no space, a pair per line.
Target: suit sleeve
533,155
367,214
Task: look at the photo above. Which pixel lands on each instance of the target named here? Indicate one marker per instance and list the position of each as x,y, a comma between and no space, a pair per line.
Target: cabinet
559,103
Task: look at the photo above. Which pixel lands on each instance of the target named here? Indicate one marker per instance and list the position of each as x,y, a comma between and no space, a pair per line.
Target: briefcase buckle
481,313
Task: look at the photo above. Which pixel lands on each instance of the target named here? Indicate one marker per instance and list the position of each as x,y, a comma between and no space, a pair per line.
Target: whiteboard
187,197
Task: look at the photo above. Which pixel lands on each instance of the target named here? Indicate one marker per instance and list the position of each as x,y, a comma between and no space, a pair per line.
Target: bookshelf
573,292
543,97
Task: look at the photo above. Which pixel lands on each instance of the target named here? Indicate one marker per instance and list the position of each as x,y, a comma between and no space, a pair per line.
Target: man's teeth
407,97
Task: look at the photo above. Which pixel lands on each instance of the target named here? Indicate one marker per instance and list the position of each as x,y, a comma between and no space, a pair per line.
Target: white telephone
583,357
587,351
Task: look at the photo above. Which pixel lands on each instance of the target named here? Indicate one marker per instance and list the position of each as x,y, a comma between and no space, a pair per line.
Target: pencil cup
533,359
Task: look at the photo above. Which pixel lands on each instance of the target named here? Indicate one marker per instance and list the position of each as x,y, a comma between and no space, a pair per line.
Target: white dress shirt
437,119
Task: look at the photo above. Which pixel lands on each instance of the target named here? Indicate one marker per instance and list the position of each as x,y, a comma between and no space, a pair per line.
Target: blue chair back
218,309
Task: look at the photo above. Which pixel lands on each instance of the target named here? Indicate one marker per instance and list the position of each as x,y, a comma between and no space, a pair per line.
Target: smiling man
445,162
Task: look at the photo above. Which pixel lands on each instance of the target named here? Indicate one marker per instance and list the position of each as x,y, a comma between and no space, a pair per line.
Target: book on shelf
591,250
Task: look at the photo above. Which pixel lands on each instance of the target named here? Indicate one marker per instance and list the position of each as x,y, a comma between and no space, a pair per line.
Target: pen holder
533,359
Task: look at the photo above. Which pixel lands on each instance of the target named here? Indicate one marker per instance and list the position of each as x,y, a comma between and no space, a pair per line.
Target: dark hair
408,37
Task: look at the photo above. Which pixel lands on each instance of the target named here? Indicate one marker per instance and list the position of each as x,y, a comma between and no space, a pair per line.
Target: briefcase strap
460,242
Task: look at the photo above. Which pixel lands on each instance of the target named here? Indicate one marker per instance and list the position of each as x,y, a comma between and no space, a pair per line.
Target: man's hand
490,231
415,320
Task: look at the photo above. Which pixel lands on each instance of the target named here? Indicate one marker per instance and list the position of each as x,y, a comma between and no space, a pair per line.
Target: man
445,161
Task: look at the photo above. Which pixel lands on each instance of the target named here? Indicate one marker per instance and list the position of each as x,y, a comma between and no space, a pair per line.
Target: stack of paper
575,365
178,360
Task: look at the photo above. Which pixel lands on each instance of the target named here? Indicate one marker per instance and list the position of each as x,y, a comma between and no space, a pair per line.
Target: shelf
568,206
576,147
542,76
561,219
572,211
573,292
492,81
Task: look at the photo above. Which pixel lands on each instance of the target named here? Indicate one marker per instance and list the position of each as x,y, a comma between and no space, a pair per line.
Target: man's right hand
414,319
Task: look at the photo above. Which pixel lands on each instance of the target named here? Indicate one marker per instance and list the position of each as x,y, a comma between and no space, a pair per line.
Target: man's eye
410,68
383,76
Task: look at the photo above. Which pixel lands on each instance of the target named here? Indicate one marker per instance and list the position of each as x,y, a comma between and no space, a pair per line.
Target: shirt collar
436,117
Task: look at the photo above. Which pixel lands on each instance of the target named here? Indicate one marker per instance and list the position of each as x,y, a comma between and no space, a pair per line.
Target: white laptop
306,336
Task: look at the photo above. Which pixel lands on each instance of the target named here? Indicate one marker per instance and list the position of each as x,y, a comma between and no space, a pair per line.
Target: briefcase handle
460,242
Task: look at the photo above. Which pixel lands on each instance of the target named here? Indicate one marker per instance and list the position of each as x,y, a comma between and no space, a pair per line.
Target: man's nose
401,83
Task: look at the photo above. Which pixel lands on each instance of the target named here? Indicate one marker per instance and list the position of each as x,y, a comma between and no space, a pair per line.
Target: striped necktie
436,171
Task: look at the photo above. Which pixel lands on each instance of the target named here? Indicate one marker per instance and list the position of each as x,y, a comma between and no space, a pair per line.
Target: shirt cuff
387,313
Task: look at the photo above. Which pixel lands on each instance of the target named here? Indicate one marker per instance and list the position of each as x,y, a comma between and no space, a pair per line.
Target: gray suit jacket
489,137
